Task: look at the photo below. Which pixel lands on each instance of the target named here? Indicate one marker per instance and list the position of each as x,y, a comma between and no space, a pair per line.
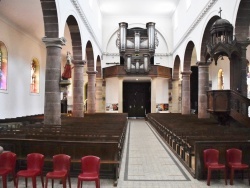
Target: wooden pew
182,132
95,135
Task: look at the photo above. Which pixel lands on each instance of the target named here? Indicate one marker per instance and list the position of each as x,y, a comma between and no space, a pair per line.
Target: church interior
149,90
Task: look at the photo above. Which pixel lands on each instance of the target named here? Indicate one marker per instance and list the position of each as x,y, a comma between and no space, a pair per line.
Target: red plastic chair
7,166
211,162
234,162
90,170
35,162
61,169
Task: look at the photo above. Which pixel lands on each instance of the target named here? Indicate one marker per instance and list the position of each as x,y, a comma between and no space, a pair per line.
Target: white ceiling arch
138,7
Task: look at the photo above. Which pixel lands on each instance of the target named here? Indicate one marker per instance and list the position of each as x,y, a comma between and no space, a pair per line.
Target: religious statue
67,68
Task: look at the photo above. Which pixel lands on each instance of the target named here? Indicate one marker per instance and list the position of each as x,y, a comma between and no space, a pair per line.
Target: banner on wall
162,107
112,107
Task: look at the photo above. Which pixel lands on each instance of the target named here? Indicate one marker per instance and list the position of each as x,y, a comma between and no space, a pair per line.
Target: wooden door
136,99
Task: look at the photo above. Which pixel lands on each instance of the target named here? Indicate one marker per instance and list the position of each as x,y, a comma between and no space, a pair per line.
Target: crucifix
220,12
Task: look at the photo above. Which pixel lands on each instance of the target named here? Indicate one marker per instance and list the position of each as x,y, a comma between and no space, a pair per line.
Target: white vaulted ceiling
27,14
138,7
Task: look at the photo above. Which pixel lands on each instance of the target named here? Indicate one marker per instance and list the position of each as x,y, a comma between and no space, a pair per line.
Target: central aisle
147,158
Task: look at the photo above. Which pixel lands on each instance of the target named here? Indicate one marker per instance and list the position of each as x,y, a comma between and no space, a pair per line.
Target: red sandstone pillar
185,103
78,88
99,95
52,106
91,92
244,65
203,87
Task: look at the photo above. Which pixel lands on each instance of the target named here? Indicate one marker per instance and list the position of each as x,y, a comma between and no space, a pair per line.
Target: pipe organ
137,47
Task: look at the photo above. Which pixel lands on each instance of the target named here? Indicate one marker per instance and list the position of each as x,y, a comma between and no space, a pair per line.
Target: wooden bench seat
102,135
183,132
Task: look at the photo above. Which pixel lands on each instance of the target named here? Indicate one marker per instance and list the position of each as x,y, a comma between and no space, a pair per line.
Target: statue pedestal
64,84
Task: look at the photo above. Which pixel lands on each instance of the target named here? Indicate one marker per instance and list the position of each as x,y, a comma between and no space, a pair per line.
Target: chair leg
78,183
4,179
208,176
46,182
64,182
18,179
34,182
26,182
69,181
52,183
14,178
248,173
225,176
42,180
97,183
232,177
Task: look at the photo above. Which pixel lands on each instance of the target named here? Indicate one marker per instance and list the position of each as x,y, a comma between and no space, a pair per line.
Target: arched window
3,66
34,76
220,80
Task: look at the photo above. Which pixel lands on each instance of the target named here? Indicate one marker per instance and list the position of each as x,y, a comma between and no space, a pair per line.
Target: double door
136,99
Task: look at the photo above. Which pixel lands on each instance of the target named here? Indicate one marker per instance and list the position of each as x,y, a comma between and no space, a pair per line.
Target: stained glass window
3,66
34,76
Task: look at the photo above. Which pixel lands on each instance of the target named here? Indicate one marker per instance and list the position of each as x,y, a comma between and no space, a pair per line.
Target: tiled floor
148,163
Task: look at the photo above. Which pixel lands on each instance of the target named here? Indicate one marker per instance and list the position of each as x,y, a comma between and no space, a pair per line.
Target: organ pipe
137,41
151,36
123,34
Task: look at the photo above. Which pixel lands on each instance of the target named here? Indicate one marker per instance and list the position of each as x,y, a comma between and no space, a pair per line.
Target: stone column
244,67
91,92
203,87
120,95
98,95
78,89
52,106
153,95
175,97
185,105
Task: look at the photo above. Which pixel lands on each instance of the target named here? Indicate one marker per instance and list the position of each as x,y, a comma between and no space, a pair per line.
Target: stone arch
175,92
186,91
206,37
91,91
75,37
176,68
188,56
50,18
243,21
90,56
98,67
99,86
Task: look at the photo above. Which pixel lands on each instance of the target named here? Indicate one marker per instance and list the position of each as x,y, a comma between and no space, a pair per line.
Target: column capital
245,43
186,73
79,62
91,72
54,42
203,63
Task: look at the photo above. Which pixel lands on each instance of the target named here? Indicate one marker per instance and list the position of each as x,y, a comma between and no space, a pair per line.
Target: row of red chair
90,166
233,162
